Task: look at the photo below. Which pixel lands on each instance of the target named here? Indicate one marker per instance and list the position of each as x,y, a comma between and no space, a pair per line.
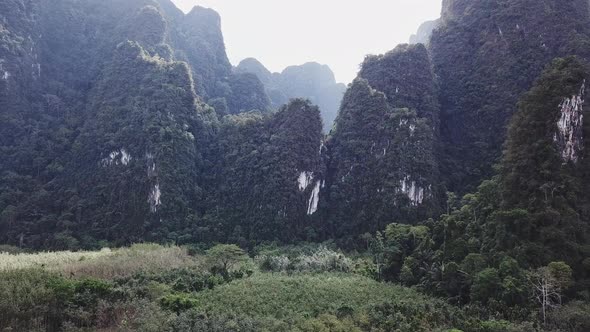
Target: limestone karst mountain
311,80
444,189
124,121
486,54
382,152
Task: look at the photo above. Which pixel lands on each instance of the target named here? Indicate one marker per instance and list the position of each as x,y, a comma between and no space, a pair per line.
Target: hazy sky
338,33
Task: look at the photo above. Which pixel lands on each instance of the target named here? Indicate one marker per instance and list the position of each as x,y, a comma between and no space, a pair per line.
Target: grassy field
156,288
55,260
104,264
326,301
301,296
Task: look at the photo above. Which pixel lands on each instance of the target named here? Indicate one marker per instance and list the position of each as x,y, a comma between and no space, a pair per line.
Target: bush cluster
320,260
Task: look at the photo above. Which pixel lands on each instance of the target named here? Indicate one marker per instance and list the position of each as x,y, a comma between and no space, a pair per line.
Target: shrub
572,317
182,280
26,300
320,260
273,263
178,303
409,316
8,249
225,257
328,323
323,260
195,321
104,264
126,262
504,326
486,285
143,315
33,298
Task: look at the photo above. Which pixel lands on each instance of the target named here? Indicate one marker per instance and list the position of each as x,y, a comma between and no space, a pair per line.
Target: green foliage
562,273
257,196
178,303
106,140
198,40
320,260
389,74
571,317
247,94
25,297
330,298
225,256
485,285
486,54
192,299
31,298
530,217
532,167
381,164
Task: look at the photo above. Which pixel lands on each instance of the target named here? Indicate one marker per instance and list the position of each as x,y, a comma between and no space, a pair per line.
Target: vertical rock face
570,127
251,65
544,169
148,27
199,41
19,56
405,76
107,108
414,192
103,132
270,172
247,94
314,199
382,165
486,54
145,142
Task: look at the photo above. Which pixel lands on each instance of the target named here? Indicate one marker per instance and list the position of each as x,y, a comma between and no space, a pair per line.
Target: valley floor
149,287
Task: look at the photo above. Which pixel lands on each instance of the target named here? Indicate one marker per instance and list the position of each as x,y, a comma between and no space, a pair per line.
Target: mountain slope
92,99
487,53
545,161
269,174
382,165
311,80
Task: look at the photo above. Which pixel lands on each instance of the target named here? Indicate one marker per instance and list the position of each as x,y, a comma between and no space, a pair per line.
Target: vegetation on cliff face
537,165
247,94
123,121
141,152
382,152
269,168
487,53
529,224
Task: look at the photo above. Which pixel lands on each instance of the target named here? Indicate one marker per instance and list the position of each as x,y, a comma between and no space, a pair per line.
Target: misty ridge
148,184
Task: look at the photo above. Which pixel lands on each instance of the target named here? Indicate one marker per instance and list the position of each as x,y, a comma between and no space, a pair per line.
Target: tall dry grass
103,264
50,260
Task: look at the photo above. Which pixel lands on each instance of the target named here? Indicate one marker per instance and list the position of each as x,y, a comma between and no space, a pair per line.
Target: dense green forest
486,54
444,189
382,165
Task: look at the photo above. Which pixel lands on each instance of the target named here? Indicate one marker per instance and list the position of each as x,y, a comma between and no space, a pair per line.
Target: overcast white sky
338,33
